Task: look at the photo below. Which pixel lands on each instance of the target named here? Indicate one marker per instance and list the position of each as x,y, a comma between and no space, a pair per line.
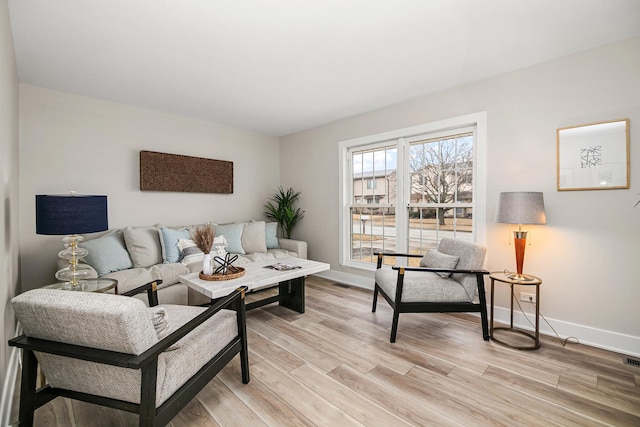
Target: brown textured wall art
174,172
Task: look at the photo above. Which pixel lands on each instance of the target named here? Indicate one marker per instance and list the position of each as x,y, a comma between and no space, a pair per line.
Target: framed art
593,156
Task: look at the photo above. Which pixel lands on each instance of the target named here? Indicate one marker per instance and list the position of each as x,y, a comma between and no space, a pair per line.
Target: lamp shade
520,208
70,214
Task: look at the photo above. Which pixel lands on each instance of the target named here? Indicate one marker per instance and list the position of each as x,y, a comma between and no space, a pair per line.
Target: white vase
207,265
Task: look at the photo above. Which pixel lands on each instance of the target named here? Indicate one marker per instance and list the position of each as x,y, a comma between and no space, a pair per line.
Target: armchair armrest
441,270
152,292
152,352
381,255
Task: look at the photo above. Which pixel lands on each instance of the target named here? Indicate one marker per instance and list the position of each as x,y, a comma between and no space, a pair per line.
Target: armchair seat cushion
421,286
195,349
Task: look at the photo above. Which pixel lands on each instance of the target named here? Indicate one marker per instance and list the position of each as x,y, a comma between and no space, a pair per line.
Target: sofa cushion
143,244
271,229
168,273
254,237
107,254
436,259
131,278
272,254
233,234
169,242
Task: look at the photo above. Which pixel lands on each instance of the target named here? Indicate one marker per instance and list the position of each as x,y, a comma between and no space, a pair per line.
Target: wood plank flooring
334,366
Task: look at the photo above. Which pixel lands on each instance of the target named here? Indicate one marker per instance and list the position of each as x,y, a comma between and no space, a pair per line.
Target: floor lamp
71,215
520,208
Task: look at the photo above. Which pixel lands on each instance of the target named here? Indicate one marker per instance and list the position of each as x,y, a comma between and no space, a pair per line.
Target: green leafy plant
281,209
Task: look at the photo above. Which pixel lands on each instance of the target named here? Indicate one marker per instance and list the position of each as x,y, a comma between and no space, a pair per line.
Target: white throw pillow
254,237
190,253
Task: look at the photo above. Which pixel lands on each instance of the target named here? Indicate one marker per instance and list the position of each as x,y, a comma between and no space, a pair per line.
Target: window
404,190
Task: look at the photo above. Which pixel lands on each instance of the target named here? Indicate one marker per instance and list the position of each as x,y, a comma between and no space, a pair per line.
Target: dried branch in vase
203,238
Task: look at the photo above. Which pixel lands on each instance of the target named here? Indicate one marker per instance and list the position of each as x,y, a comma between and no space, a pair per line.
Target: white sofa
138,255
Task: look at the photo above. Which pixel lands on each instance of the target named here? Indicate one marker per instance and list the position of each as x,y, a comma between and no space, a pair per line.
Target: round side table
500,276
88,285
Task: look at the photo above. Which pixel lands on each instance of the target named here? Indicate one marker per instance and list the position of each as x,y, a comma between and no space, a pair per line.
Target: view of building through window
436,194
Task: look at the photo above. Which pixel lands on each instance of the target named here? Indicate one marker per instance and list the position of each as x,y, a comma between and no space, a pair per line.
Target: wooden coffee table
259,277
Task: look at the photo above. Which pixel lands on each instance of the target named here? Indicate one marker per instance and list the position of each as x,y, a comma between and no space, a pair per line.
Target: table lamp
520,208
71,215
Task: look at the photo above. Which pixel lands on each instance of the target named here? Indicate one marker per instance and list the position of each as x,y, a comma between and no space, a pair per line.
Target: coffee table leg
292,294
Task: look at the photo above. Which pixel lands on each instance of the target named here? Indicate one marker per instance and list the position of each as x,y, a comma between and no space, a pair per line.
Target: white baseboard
347,279
608,340
10,383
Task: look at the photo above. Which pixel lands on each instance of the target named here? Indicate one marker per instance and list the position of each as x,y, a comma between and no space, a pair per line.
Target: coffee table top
256,276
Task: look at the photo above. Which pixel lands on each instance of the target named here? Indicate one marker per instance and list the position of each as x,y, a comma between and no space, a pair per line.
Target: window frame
401,137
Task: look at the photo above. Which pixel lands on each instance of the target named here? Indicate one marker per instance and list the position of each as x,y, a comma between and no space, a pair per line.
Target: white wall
69,142
8,193
587,254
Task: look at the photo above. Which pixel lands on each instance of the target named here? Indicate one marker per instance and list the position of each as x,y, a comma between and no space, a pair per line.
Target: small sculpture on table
226,266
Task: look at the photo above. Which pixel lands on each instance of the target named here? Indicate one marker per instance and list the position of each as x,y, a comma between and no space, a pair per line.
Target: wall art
593,156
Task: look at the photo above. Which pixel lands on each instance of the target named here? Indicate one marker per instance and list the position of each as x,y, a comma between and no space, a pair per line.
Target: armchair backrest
471,257
103,321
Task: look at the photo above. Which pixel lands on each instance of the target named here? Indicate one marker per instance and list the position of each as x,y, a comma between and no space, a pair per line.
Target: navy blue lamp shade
70,214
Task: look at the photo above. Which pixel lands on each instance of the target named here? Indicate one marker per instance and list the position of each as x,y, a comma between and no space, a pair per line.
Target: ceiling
281,66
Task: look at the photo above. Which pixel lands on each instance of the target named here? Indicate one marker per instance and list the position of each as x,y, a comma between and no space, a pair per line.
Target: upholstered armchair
113,350
446,281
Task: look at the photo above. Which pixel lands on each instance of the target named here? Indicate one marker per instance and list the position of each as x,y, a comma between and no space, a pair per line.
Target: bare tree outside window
441,172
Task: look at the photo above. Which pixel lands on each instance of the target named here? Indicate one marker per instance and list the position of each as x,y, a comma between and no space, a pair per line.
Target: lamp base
519,277
73,273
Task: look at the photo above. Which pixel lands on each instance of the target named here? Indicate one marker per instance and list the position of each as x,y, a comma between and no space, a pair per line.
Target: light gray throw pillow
254,237
143,244
436,259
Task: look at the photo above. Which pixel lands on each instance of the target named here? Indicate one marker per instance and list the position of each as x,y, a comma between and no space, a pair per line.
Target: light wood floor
334,366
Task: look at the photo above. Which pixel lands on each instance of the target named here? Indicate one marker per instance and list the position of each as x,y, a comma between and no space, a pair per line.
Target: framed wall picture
593,156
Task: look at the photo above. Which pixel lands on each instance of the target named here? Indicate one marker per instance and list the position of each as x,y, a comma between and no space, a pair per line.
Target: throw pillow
189,251
436,259
169,242
107,253
143,244
254,237
219,247
161,325
233,234
271,229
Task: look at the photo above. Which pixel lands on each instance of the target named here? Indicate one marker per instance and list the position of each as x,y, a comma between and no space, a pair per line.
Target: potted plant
281,209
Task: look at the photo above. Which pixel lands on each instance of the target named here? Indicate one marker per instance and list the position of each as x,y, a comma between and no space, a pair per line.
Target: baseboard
10,383
347,279
608,340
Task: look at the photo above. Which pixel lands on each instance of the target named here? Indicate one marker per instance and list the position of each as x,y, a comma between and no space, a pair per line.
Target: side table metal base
530,281
536,342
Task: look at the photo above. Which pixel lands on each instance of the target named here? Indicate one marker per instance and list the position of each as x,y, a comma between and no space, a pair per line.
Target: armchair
446,281
114,351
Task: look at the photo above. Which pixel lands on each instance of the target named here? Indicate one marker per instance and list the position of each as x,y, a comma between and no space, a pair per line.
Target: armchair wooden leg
28,388
483,307
241,317
375,298
394,326
148,394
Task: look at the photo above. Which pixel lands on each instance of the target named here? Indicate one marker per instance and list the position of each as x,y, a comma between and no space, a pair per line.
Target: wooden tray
220,276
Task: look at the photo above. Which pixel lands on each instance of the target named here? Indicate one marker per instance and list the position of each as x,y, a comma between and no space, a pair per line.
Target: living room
585,254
